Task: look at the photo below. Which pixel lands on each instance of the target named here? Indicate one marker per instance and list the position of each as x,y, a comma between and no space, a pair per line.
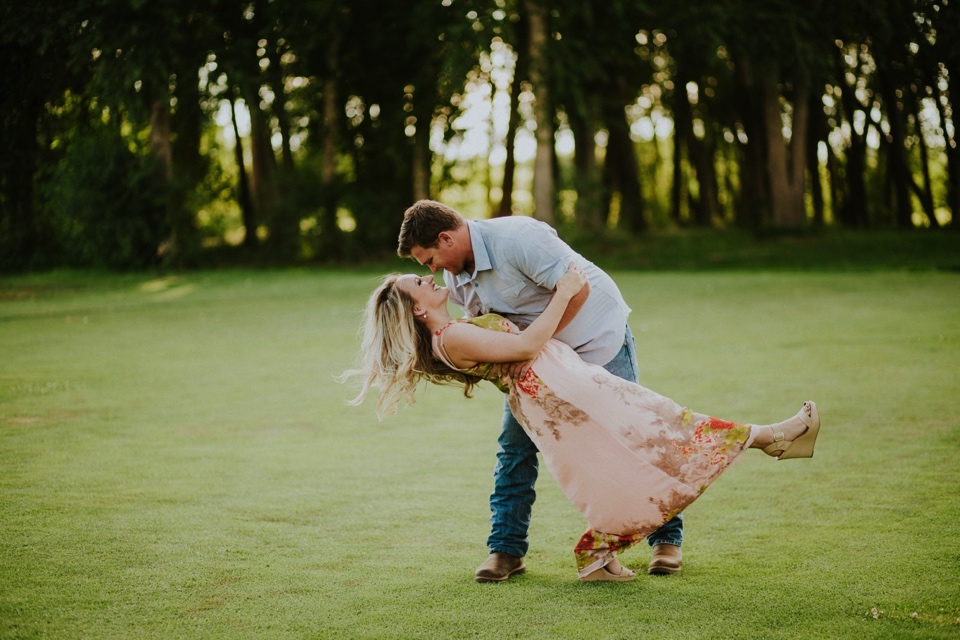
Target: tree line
767,114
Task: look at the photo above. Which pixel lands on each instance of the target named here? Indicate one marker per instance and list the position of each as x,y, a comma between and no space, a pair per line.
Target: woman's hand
572,281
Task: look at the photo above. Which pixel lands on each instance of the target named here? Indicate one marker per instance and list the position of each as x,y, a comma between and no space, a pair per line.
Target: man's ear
444,237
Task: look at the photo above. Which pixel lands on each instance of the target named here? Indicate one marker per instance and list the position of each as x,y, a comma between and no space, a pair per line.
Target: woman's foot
792,438
612,572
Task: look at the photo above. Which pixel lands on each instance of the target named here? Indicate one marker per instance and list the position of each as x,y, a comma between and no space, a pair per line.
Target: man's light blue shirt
518,261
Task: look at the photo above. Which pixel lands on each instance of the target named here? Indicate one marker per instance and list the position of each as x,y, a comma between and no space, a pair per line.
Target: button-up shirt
517,263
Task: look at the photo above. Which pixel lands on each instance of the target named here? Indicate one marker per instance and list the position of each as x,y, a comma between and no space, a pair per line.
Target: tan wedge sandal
801,446
603,574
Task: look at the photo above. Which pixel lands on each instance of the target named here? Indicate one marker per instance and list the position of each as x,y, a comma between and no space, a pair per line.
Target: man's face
446,255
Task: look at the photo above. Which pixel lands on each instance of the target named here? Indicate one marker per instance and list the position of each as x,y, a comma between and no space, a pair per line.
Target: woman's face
425,292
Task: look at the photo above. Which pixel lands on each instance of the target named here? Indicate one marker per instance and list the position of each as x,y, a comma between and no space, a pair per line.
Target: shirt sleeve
542,256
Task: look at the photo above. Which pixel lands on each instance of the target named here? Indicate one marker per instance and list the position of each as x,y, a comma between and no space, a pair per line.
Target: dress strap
439,350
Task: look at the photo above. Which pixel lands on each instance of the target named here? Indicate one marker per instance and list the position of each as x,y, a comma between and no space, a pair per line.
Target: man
510,266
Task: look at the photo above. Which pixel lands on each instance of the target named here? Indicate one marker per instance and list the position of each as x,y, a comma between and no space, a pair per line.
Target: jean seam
675,543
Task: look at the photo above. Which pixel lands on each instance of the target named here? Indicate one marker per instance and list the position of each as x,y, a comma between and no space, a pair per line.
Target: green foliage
378,213
104,204
214,199
374,83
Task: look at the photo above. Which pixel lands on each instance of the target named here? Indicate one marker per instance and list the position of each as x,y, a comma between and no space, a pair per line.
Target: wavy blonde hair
396,352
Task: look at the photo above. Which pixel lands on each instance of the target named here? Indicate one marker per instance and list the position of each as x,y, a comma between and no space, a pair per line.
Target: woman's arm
468,345
573,307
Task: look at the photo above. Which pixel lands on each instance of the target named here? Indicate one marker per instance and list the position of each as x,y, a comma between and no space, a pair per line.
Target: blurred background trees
140,133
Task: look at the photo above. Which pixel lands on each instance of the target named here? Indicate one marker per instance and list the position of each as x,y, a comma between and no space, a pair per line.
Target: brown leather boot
666,559
498,567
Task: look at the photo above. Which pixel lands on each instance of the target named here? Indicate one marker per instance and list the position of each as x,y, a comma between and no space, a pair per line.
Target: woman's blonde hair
396,352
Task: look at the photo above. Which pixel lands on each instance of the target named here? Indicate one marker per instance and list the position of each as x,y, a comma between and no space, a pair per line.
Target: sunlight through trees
143,133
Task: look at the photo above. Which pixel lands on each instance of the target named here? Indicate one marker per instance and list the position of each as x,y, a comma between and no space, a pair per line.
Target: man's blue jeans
516,472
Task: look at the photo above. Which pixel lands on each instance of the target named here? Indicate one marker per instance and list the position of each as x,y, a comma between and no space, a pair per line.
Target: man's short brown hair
423,223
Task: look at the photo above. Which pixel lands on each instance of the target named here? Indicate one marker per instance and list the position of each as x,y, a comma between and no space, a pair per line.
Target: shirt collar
481,257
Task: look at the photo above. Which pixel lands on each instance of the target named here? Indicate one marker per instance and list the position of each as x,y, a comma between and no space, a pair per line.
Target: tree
41,60
543,192
692,37
773,47
146,54
597,75
347,99
520,37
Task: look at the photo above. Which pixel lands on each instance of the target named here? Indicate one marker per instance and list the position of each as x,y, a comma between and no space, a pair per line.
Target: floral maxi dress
628,458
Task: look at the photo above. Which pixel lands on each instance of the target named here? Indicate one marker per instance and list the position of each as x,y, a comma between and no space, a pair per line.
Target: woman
627,457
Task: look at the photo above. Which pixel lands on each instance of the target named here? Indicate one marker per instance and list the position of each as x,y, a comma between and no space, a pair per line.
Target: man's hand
516,370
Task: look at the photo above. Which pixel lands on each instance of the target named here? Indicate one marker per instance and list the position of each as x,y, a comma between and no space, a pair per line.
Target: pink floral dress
628,458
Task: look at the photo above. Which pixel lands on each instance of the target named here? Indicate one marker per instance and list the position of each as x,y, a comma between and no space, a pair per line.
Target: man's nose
433,269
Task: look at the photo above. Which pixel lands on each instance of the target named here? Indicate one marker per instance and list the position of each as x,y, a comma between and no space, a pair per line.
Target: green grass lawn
176,461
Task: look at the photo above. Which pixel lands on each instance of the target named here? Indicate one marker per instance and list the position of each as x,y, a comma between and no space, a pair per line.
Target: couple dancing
549,329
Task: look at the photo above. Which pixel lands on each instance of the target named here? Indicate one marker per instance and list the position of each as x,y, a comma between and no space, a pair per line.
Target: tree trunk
421,162
189,165
19,236
853,208
754,208
702,158
543,190
521,68
264,163
681,130
732,190
898,169
247,214
816,187
953,159
585,168
424,98
330,240
786,161
926,193
279,108
622,161
799,131
818,132
611,187
161,148
700,155
160,145
509,165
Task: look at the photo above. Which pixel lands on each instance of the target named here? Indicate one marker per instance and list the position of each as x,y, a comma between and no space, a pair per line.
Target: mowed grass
176,461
